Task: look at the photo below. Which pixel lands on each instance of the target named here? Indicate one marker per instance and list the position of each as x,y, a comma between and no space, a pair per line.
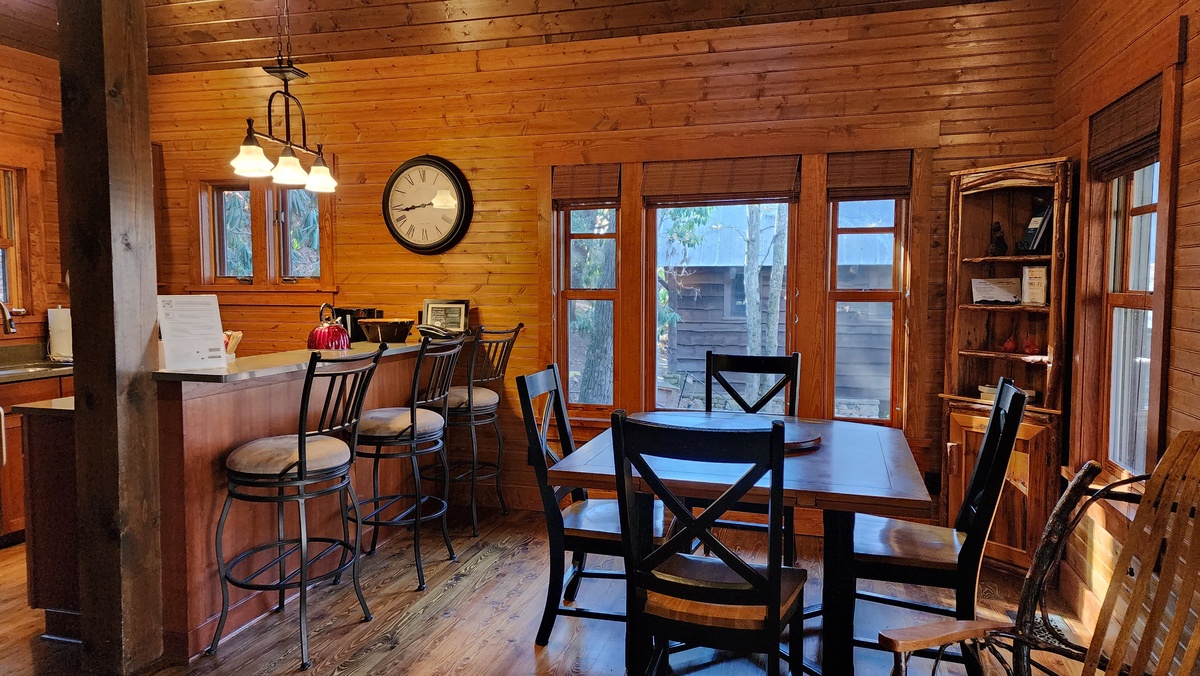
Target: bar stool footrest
291,579
407,517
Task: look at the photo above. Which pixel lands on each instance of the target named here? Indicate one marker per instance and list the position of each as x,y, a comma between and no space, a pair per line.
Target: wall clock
427,205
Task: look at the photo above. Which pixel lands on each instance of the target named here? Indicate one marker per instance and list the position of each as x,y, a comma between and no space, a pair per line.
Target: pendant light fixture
250,160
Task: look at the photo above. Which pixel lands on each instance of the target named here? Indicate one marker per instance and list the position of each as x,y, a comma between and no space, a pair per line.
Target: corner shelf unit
981,337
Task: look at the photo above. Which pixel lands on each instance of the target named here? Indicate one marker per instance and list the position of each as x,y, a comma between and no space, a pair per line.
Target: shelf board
988,404
1005,308
1014,356
1009,259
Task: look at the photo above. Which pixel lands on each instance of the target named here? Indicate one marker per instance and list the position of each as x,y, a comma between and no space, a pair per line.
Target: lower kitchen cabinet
12,465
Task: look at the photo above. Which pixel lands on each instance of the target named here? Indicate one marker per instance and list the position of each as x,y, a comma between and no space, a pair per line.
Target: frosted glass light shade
251,162
319,178
444,199
288,170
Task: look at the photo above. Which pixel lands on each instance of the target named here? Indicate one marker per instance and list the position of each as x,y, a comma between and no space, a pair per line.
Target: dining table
842,468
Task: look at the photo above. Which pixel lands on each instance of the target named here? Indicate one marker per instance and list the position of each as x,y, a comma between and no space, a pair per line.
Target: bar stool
297,468
411,432
478,403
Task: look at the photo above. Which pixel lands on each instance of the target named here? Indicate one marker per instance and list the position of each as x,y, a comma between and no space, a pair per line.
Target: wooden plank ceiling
191,35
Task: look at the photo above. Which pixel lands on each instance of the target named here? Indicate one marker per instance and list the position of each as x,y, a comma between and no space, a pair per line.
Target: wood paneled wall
1106,48
29,117
980,75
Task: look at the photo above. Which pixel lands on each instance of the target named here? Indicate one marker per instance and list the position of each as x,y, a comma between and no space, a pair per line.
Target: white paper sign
191,332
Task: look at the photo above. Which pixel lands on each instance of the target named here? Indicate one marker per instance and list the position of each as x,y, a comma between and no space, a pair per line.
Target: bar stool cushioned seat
281,455
484,398
394,422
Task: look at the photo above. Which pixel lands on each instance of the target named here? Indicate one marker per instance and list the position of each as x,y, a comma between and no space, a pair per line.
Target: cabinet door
12,479
1022,511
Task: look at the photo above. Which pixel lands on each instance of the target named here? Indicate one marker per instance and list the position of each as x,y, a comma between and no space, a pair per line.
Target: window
721,285
589,297
586,200
10,224
1133,201
295,227
300,221
865,301
234,250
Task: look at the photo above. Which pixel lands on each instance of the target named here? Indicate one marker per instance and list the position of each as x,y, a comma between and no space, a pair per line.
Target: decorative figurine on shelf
1031,346
1009,345
999,245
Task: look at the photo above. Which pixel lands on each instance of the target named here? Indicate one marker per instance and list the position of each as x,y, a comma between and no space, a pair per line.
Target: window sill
260,288
1107,476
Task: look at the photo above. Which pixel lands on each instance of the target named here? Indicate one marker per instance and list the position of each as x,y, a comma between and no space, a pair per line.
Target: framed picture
451,315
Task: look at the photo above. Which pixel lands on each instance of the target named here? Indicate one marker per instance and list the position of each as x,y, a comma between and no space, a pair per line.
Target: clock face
427,205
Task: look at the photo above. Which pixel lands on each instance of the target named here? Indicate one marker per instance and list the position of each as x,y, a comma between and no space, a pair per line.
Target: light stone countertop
273,364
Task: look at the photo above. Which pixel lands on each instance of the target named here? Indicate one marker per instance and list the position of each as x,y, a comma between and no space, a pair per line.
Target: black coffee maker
349,316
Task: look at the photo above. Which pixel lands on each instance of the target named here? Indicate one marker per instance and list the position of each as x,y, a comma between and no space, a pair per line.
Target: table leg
837,595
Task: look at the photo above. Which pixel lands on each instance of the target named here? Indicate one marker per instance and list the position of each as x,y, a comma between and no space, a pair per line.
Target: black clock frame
458,229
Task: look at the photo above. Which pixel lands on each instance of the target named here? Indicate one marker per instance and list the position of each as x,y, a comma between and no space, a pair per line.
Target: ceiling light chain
251,161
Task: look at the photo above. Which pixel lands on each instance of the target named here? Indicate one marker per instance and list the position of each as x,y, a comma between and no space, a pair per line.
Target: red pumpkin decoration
329,335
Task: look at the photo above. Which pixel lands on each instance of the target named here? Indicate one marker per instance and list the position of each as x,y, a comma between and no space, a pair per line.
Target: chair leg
418,510
221,572
499,466
578,561
305,662
474,481
553,591
375,496
796,641
282,563
362,601
900,664
964,607
773,663
451,556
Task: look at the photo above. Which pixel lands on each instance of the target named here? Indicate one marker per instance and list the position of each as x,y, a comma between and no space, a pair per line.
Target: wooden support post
110,242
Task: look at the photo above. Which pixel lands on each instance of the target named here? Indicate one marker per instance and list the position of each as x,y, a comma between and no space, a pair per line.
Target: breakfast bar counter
203,415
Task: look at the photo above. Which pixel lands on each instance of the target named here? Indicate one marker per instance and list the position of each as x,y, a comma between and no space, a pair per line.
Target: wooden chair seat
903,543
598,518
714,571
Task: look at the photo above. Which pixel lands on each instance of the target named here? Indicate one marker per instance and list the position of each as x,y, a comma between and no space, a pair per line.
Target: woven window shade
1124,135
586,182
722,179
876,173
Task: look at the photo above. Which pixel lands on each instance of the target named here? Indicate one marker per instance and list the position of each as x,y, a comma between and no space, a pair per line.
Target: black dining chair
586,525
787,368
892,550
724,601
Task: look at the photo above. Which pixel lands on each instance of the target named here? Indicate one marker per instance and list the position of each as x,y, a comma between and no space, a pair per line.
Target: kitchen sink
18,370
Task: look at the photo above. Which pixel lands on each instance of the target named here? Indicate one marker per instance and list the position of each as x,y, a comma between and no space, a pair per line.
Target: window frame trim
897,296
266,233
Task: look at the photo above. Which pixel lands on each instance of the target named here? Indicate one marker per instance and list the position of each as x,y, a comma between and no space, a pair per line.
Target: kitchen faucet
9,325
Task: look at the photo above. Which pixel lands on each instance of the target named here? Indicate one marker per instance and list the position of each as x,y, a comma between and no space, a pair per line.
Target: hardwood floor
478,616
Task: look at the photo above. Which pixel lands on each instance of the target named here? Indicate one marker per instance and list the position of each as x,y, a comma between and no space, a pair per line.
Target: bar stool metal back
411,432
296,468
478,403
